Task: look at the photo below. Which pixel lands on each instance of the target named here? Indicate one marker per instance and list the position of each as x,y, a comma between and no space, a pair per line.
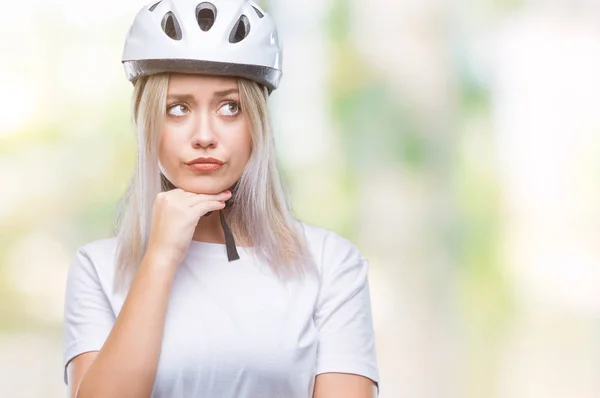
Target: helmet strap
232,253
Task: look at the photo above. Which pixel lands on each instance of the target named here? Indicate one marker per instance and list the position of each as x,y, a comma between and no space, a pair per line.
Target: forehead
200,84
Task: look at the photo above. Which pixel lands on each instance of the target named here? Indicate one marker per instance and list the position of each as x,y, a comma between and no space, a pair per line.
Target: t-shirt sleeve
88,317
343,315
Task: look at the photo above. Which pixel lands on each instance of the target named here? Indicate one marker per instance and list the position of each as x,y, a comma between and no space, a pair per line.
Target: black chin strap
232,253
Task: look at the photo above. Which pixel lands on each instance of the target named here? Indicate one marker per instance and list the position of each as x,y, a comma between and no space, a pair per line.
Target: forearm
127,363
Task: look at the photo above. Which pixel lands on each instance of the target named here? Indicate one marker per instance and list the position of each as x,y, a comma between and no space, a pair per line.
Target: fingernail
222,201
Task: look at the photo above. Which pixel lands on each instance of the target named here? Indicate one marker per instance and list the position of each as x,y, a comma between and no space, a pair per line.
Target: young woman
210,287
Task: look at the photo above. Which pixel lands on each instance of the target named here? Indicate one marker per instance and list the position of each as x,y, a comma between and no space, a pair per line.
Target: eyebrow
190,97
226,92
180,97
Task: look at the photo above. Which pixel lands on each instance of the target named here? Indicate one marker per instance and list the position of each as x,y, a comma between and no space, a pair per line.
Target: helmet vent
206,13
171,27
259,12
240,30
154,6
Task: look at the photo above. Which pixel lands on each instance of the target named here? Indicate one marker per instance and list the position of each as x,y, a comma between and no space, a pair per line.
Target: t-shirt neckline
211,249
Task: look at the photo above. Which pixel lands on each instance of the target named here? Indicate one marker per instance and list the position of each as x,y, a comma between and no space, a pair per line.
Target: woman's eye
230,109
178,110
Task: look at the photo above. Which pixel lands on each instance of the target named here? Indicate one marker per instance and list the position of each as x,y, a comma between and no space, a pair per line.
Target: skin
203,119
344,385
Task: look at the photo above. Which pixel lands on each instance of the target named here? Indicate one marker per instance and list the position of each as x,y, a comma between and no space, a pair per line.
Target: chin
205,187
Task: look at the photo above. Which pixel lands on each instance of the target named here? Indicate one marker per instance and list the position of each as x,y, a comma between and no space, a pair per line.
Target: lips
204,160
205,164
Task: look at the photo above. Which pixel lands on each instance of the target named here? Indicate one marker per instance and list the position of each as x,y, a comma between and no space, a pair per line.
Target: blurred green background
456,143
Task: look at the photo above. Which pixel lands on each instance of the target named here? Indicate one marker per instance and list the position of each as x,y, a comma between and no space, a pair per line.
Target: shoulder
96,259
329,248
100,252
100,247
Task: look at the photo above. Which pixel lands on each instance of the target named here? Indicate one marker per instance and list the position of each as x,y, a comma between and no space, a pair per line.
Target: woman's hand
175,216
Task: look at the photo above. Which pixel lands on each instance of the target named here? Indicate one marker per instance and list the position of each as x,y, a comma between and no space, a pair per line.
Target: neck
209,229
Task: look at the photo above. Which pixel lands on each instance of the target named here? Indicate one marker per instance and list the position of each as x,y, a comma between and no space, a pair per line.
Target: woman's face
204,119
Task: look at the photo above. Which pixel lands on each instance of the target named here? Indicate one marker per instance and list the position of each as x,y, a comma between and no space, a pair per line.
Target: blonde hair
260,214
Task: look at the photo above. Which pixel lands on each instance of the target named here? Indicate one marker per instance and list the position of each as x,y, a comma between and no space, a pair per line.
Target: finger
207,206
204,198
180,196
173,194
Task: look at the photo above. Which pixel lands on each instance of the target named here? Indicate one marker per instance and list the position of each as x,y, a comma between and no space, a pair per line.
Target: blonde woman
210,287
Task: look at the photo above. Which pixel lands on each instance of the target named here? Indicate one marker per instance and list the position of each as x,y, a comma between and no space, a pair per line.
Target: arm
343,385
77,368
127,363
346,357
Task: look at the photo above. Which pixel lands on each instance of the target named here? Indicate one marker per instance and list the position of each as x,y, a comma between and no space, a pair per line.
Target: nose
204,134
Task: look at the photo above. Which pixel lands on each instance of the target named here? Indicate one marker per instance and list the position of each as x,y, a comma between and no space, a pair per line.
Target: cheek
243,146
167,151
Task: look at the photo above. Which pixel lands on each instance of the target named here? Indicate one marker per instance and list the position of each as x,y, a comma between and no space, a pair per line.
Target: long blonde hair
260,214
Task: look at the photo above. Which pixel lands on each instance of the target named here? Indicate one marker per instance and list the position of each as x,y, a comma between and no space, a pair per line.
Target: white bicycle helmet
219,37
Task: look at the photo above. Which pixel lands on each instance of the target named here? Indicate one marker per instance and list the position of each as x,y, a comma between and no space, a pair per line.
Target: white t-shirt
233,330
